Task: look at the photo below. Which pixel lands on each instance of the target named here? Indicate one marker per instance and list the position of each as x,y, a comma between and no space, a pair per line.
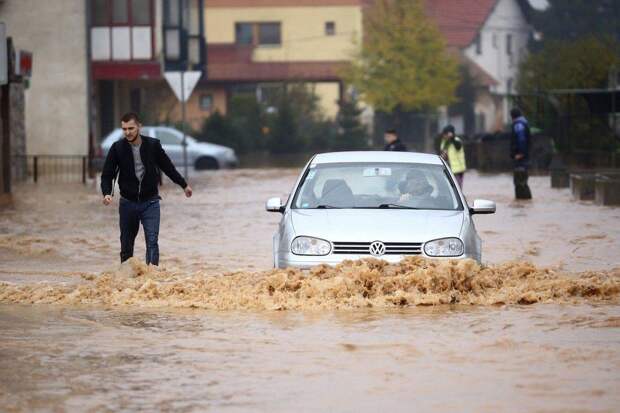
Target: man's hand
107,200
519,156
188,191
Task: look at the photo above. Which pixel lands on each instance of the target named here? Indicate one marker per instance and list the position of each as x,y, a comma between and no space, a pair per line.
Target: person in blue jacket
520,153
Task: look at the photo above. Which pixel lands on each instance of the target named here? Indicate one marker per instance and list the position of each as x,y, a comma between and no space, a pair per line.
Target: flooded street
536,329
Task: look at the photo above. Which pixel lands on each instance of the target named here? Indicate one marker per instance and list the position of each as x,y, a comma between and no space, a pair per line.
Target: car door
171,142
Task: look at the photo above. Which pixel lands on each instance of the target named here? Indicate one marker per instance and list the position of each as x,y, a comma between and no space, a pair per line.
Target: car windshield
377,185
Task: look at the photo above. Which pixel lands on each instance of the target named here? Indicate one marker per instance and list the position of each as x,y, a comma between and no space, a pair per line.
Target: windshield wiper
396,206
326,207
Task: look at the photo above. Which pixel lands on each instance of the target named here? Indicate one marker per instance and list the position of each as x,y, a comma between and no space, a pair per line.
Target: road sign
183,83
4,64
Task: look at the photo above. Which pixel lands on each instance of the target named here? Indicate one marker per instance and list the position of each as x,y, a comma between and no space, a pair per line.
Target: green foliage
351,133
298,124
403,60
221,130
583,63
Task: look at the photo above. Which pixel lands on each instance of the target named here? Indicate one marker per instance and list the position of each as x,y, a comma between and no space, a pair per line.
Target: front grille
391,248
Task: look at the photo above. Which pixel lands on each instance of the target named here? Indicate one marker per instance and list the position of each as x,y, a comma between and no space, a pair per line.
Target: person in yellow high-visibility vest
451,149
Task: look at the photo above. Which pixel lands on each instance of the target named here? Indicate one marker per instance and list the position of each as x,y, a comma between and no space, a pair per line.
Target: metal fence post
35,168
83,169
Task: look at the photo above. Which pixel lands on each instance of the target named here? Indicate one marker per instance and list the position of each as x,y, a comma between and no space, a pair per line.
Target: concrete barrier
582,185
607,189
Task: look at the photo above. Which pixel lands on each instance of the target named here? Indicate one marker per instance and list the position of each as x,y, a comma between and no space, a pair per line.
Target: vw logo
377,249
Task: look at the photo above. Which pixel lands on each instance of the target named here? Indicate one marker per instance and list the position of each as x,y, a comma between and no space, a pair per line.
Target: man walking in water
137,159
520,153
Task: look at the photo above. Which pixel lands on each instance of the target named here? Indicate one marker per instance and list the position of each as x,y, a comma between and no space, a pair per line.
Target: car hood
366,225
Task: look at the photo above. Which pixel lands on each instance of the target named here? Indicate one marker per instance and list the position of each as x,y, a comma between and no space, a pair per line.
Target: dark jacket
120,159
520,140
396,146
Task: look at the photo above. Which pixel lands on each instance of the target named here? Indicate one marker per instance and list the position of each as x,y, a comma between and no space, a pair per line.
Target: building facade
56,100
491,38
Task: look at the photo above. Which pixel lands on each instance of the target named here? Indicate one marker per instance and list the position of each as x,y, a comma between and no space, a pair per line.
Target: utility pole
183,120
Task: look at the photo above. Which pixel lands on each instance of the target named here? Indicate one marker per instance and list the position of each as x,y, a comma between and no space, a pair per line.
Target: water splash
353,284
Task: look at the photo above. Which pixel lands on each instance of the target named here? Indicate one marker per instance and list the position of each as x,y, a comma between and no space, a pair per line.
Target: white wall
56,102
506,19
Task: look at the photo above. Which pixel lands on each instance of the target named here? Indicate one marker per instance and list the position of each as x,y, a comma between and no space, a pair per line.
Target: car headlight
445,247
310,246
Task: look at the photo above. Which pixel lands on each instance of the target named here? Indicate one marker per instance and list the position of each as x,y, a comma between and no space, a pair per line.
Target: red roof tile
459,20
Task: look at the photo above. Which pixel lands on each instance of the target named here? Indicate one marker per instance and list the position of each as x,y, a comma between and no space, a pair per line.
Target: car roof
376,156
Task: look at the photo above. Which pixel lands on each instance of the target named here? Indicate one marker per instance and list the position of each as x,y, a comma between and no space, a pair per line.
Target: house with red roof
491,38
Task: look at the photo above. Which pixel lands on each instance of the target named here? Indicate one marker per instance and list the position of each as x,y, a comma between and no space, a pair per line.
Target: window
141,12
330,28
206,102
495,45
480,122
269,33
99,15
258,33
478,44
509,44
167,137
184,43
369,185
244,33
121,30
509,86
120,13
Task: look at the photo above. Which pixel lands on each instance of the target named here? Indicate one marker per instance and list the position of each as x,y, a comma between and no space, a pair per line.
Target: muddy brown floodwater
536,328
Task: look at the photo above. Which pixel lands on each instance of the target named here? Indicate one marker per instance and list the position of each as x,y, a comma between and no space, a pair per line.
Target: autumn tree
402,62
585,63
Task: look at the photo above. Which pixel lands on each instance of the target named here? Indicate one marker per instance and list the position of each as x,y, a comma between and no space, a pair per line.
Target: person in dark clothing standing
138,159
520,153
392,143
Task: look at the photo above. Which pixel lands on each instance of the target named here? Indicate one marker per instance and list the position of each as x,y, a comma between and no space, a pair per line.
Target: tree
402,62
584,63
351,133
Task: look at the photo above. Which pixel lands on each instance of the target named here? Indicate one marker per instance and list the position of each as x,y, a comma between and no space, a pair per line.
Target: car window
370,185
167,138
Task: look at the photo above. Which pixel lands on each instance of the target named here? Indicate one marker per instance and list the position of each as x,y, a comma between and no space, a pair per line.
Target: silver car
200,155
351,205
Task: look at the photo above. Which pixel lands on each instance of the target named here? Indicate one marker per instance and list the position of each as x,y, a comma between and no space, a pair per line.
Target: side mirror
482,206
274,205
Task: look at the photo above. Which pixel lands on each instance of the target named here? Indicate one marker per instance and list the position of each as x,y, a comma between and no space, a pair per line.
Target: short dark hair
515,113
129,116
391,131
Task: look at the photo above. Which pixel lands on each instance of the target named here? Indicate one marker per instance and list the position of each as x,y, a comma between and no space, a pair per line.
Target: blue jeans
130,215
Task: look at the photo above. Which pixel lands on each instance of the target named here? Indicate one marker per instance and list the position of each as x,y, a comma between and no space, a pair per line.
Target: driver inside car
415,189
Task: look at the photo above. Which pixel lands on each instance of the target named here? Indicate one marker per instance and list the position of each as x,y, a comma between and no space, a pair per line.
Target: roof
460,20
377,156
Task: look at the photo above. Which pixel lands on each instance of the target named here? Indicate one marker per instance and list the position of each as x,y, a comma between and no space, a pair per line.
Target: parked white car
388,205
200,155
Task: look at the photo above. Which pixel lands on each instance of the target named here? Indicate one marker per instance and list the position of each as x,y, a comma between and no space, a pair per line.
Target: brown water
536,328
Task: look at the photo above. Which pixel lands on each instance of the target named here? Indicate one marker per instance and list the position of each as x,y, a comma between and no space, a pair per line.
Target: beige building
56,99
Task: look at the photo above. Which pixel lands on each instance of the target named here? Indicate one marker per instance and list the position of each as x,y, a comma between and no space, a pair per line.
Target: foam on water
352,284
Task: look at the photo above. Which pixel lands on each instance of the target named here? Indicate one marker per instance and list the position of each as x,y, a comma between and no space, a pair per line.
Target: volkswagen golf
388,205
